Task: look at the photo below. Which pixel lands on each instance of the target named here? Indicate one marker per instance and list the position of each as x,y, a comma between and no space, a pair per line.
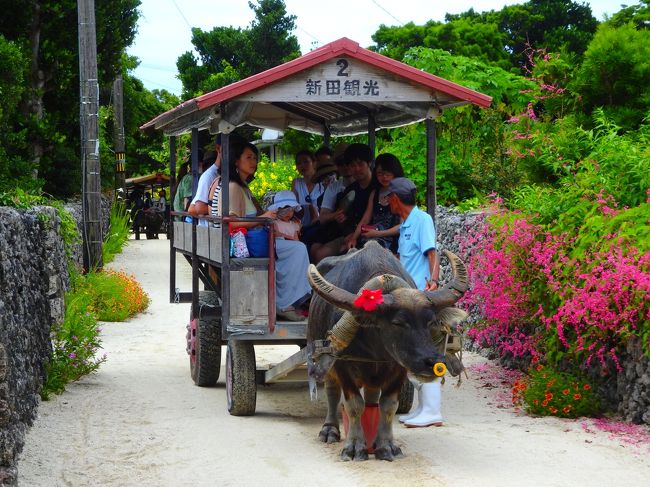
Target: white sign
341,80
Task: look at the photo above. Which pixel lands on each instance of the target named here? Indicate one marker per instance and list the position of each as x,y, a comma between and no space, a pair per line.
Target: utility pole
89,122
118,136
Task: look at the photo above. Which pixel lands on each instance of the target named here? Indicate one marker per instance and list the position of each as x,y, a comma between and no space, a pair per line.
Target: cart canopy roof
149,179
339,88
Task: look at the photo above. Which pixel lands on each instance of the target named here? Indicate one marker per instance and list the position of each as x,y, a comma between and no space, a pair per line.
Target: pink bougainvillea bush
540,300
561,272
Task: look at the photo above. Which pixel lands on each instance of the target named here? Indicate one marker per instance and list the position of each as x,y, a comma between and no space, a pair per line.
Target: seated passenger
306,190
200,204
286,225
378,223
292,289
335,238
323,155
183,193
161,203
328,209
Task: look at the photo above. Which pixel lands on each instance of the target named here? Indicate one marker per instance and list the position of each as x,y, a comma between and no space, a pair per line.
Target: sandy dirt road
140,421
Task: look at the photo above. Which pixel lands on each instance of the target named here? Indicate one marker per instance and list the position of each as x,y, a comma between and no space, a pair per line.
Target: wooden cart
338,89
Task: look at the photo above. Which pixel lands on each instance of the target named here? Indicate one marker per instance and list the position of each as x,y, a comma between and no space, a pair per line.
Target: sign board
340,80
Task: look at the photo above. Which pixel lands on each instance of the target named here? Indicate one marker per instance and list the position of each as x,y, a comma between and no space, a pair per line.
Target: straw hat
324,169
339,150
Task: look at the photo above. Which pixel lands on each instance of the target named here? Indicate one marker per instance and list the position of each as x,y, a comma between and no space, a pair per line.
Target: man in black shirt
332,238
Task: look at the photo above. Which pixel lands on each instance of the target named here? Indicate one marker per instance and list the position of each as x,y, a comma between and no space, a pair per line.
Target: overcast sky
164,29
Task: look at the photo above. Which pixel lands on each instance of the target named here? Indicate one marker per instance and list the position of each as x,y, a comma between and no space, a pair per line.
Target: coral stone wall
33,280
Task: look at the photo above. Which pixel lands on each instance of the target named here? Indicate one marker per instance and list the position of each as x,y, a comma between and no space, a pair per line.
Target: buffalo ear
451,316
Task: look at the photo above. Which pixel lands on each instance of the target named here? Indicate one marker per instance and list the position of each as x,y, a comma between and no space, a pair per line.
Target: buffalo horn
454,289
329,292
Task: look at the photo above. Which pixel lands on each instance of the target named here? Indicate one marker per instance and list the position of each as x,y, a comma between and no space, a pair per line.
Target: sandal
289,315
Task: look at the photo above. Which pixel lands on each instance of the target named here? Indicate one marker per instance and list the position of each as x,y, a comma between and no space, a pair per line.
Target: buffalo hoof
355,451
329,433
389,452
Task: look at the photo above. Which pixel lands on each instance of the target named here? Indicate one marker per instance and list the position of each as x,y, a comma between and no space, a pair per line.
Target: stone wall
33,281
628,392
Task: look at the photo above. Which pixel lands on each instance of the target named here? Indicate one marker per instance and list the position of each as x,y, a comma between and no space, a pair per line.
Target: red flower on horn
369,300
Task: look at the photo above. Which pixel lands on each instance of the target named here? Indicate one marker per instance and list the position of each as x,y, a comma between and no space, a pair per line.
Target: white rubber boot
431,402
418,408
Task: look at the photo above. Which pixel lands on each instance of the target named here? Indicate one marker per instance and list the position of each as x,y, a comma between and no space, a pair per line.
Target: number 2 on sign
343,63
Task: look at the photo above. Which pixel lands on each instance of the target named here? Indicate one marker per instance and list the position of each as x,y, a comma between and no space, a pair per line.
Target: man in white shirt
200,204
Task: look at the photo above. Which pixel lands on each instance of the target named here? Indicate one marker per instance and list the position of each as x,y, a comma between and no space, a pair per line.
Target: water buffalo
390,340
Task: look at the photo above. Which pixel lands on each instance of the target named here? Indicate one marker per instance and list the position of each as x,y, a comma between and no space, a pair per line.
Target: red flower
548,396
566,392
577,396
586,387
369,300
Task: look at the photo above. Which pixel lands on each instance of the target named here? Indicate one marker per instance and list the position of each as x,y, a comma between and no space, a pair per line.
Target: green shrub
75,343
118,232
96,296
547,392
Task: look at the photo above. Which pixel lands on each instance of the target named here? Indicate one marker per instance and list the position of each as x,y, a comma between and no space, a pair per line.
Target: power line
182,15
158,67
310,35
390,14
168,88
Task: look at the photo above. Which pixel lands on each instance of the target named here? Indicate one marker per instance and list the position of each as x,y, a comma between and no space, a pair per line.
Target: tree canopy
39,111
498,37
227,54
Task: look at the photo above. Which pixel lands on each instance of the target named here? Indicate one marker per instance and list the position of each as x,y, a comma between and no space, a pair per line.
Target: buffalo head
403,316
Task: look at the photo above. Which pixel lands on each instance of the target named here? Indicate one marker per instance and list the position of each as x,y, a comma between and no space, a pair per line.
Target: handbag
257,240
238,247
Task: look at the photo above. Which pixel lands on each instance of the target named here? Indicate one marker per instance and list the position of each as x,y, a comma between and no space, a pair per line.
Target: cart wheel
204,346
405,398
241,389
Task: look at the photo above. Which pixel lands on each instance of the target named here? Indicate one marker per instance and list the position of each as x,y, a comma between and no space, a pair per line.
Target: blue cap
401,187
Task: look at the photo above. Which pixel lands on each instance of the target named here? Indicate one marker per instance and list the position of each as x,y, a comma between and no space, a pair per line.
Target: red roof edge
340,47
343,46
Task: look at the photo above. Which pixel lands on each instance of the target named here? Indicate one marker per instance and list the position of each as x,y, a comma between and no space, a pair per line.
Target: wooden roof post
431,168
170,226
372,141
327,136
195,160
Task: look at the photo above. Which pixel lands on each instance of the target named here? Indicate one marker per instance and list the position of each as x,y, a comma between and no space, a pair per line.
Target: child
287,225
